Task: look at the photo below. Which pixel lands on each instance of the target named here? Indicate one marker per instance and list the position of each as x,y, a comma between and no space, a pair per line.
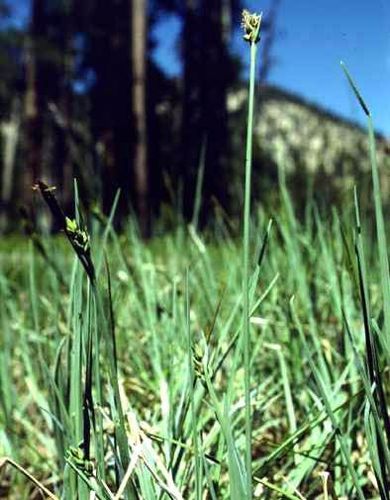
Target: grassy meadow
199,365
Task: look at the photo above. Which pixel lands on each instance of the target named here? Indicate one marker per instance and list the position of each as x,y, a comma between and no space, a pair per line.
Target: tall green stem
246,236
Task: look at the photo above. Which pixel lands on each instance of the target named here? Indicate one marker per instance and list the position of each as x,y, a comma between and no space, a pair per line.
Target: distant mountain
308,142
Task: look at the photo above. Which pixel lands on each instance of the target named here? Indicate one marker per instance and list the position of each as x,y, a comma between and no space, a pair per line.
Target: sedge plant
377,418
251,24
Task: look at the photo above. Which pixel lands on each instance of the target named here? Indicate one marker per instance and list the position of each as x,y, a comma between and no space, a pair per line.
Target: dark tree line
96,106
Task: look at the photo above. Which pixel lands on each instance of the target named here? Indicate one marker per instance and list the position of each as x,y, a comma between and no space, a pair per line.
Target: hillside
309,142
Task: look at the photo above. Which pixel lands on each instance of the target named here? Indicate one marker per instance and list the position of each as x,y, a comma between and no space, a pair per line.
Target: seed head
79,237
251,26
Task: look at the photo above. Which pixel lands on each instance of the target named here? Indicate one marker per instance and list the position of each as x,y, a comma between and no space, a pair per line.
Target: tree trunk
34,99
108,56
139,154
191,120
207,74
10,131
217,76
65,105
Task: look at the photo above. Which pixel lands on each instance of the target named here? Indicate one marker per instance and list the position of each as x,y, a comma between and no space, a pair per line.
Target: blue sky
314,36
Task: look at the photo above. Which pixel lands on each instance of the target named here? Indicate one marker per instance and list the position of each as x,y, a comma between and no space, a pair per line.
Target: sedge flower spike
251,25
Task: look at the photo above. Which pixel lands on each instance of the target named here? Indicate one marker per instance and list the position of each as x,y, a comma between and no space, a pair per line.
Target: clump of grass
175,344
377,420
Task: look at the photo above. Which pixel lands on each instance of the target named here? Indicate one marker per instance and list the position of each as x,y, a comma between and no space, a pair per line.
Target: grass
180,376
129,369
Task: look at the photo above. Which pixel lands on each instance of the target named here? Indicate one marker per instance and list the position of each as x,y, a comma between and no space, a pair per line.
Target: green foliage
172,363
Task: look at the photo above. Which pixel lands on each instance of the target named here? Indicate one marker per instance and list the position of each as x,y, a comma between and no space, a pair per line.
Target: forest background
112,94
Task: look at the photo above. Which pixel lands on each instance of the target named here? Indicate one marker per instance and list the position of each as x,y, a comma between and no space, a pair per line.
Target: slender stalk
379,217
251,24
194,423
